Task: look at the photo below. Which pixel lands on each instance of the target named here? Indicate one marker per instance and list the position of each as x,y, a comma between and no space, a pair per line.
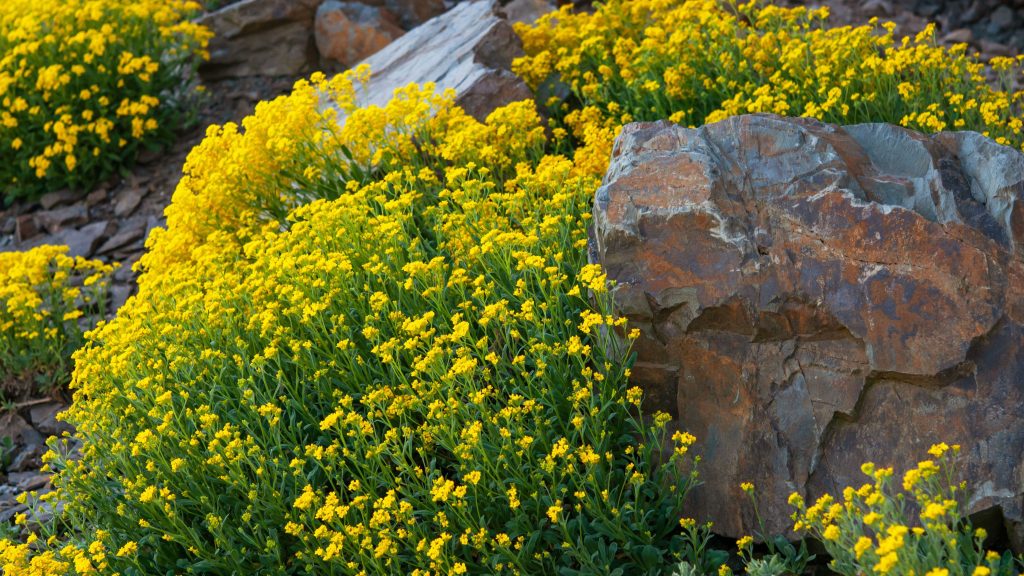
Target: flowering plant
700,61
382,353
877,529
47,300
86,84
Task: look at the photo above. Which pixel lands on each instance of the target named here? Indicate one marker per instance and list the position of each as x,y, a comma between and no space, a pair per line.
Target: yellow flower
554,511
886,563
831,532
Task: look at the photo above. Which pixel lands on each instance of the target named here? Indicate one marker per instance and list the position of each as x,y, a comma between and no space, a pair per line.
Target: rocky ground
112,221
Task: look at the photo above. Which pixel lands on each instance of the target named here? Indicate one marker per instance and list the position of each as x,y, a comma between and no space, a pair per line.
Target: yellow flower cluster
85,84
47,300
871,531
369,347
700,61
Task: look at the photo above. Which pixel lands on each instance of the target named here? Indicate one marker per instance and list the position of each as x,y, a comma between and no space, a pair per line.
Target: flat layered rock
469,49
812,297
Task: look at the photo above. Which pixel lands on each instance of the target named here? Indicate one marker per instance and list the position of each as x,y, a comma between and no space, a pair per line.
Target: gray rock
128,200
29,458
119,294
468,49
155,222
261,38
130,232
58,198
7,515
1002,18
84,241
65,217
44,419
96,197
18,430
959,36
33,483
990,49
812,297
8,225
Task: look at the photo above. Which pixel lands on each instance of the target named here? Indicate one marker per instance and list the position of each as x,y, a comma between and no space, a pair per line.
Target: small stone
30,458
879,8
65,217
128,200
84,241
58,198
15,478
44,418
928,9
96,197
119,295
125,236
8,225
1002,19
36,482
25,227
412,13
990,49
959,36
124,274
527,11
7,516
16,428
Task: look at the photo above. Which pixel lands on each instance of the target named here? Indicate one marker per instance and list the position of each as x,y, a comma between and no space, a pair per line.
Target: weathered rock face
261,37
347,32
813,297
469,49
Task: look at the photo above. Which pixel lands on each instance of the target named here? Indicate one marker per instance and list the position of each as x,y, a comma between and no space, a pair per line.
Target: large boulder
469,49
261,38
812,297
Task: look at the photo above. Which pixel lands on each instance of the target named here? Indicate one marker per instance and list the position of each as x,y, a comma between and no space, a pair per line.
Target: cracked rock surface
811,297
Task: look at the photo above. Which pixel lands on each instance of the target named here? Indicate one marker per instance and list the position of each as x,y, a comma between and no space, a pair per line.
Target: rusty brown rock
347,32
812,297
